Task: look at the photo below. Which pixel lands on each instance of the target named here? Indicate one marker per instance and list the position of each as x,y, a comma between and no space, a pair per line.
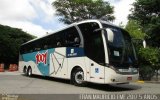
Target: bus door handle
92,64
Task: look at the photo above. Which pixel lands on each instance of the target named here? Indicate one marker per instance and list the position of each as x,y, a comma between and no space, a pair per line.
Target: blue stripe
43,68
74,52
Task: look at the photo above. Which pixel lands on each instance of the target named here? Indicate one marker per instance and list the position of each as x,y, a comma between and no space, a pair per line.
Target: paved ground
16,83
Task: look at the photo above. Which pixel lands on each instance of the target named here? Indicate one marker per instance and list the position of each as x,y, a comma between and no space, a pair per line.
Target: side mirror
110,35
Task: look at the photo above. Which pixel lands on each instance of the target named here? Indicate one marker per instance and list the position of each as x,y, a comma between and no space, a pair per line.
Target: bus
87,51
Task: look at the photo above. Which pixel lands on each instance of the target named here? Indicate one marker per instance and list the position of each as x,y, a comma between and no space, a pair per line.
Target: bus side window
69,39
58,39
49,42
77,41
72,38
93,42
59,44
45,47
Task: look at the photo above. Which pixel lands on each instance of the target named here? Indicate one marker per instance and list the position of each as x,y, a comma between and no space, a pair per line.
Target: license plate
129,78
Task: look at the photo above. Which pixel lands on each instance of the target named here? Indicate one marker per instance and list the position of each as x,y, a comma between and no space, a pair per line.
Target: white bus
87,51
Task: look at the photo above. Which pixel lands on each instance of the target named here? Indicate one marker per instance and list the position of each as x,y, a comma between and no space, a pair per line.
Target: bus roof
74,24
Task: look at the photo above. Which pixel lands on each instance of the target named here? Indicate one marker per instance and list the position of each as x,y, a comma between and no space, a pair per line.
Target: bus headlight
112,67
134,70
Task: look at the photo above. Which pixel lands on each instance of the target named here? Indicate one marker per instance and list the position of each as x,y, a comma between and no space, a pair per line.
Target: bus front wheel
78,77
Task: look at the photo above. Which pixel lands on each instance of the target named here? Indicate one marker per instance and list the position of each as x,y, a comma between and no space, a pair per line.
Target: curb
140,81
156,82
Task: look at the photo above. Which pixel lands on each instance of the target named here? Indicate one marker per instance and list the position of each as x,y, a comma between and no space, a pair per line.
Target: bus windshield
120,49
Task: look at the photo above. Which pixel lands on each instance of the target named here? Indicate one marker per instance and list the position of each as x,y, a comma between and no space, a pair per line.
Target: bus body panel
58,63
95,72
76,62
111,75
38,61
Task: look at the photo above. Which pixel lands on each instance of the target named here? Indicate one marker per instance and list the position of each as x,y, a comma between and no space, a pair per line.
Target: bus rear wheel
78,77
29,72
25,70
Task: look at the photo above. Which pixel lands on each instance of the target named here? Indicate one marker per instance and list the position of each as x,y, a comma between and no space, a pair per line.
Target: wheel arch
76,67
29,67
73,69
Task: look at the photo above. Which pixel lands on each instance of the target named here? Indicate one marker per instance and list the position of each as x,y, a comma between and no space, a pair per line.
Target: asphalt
18,73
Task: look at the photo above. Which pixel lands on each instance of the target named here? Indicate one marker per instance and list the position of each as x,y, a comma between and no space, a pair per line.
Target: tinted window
115,48
121,49
72,38
65,38
93,43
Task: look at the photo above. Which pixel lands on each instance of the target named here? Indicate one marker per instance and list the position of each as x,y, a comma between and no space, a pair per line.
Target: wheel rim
79,77
30,72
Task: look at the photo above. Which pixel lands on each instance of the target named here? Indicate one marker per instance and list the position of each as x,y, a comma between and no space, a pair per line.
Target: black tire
78,77
29,72
25,70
